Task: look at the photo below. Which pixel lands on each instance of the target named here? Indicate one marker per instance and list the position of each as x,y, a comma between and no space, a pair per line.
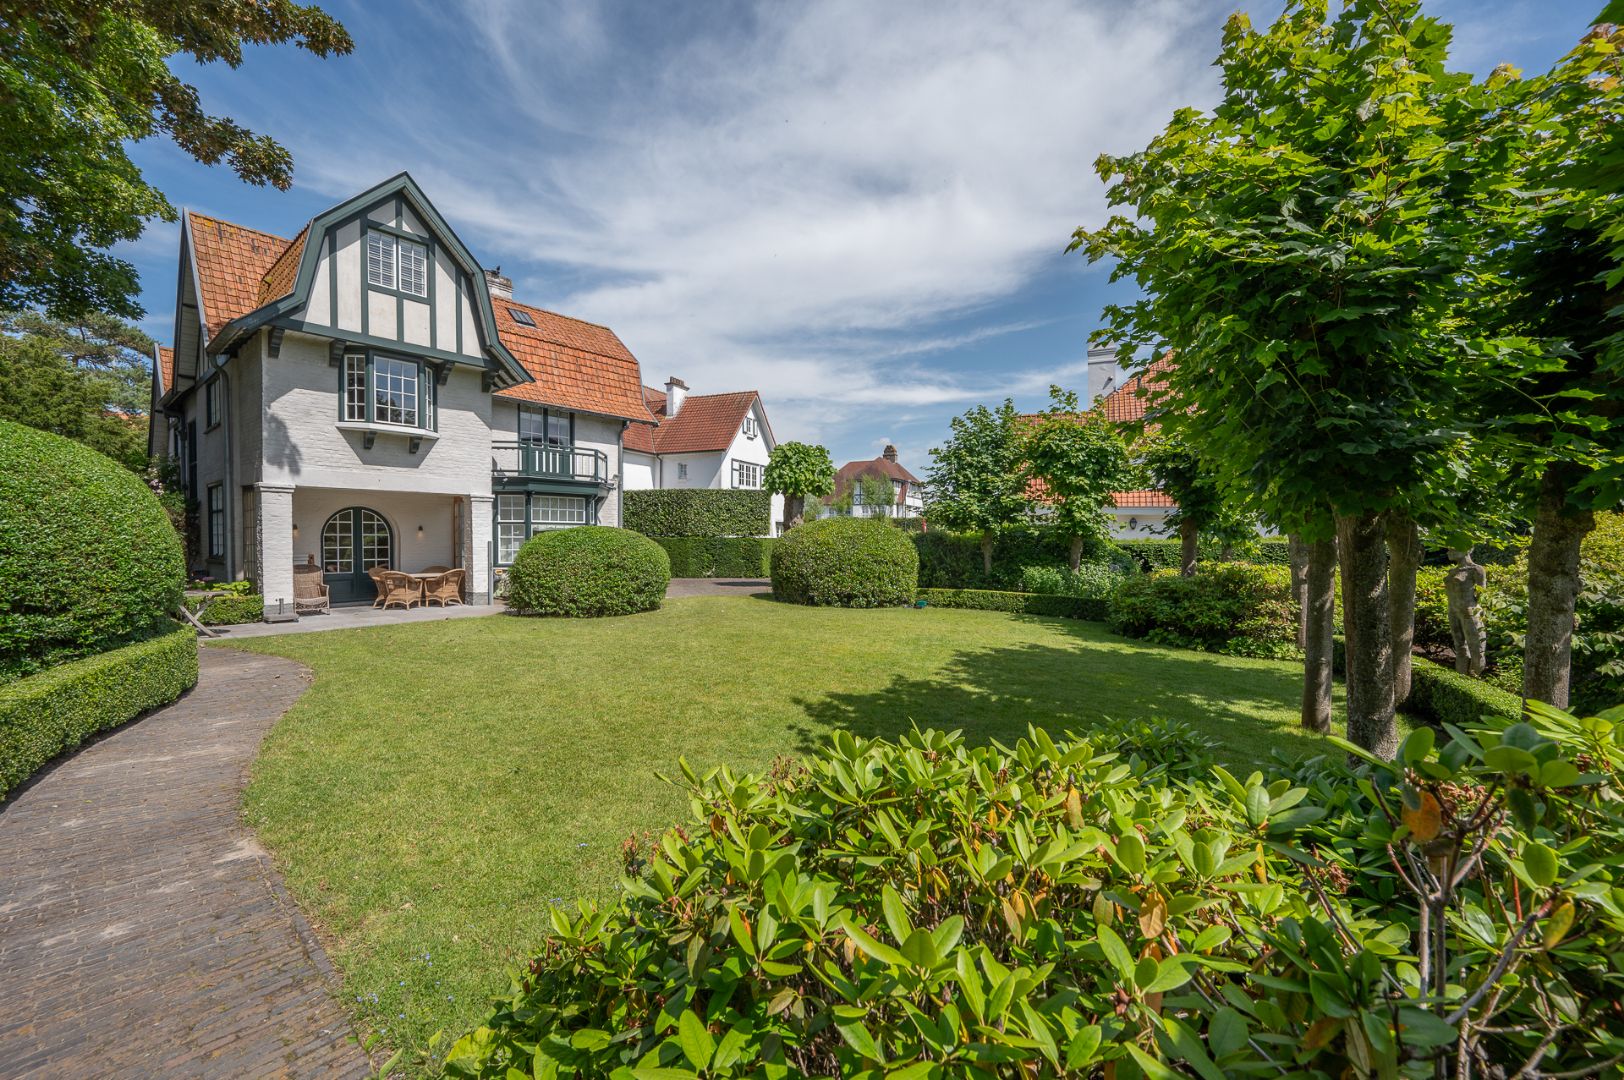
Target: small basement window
521,317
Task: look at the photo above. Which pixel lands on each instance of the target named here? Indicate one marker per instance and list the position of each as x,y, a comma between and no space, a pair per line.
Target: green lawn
442,783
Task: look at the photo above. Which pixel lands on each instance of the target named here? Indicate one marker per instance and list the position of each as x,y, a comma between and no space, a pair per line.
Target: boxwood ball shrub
1110,904
588,571
845,562
88,558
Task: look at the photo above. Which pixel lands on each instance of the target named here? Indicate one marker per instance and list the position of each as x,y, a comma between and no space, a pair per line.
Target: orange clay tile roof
705,422
1126,404
166,367
575,364
278,280
1126,499
232,262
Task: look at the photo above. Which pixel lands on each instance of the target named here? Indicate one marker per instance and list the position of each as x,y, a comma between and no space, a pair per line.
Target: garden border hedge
1445,696
1169,554
44,714
1064,607
697,512
718,556
227,610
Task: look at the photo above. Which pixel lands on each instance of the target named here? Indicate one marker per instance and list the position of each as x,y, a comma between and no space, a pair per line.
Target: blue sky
858,209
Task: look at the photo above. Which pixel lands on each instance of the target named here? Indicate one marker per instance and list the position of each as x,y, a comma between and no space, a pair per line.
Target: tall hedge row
88,558
698,512
718,556
42,715
1168,554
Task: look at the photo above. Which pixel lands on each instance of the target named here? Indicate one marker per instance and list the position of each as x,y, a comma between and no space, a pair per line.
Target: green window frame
547,433
217,521
521,515
211,403
359,384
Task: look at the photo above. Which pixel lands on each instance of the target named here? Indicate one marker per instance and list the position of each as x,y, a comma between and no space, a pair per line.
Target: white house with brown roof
701,441
367,395
1143,514
908,491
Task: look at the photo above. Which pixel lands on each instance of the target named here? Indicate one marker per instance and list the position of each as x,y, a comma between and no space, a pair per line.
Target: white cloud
795,201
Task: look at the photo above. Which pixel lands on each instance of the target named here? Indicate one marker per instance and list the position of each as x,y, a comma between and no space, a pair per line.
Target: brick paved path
143,932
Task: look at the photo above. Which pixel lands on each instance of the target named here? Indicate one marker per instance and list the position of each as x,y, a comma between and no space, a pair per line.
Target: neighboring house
701,441
907,490
366,395
1138,515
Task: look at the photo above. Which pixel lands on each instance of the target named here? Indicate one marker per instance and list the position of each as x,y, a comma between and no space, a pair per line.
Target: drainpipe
232,534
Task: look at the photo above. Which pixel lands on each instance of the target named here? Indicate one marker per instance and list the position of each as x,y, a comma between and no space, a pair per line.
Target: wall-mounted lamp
420,532
296,530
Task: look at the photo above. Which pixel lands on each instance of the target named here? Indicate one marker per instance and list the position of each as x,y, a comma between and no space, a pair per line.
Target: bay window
519,517
390,390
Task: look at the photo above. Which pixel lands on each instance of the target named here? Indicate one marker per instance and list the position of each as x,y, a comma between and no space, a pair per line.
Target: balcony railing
539,461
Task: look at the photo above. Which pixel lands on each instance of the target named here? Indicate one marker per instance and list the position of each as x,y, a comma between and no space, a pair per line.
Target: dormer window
749,427
393,263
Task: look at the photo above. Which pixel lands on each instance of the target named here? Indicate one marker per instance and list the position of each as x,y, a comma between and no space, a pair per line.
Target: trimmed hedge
227,610
588,571
953,560
43,715
845,562
698,512
88,558
718,556
1065,607
1168,554
1443,696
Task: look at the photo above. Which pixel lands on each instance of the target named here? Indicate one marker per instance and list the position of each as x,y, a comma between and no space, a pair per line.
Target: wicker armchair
399,588
376,574
445,589
309,591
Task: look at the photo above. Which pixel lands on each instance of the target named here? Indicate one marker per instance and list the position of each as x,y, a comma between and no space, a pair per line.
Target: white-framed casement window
394,391
217,521
747,474
749,427
557,511
682,470
393,263
519,517
510,527
387,390
355,386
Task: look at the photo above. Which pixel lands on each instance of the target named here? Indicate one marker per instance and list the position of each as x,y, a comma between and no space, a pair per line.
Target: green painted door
353,541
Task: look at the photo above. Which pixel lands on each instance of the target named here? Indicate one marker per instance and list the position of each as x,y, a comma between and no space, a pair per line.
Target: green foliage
1076,459
1107,903
88,559
1196,485
242,607
588,571
1090,581
1235,608
1431,608
799,471
698,512
42,715
953,560
1164,554
1026,603
977,482
1443,696
873,491
81,81
845,562
718,556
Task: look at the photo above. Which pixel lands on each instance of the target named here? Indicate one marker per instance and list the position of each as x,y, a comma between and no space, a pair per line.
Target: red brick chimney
890,453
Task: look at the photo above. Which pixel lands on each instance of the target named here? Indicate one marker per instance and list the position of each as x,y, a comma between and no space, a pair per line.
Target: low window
746,474
557,511
682,470
519,517
217,521
510,530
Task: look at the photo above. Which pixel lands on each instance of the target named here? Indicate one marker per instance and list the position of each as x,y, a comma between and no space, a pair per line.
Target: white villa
907,491
365,395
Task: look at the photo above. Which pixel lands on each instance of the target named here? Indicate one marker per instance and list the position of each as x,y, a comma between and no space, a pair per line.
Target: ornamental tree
80,80
876,493
1306,249
977,483
799,471
1075,460
1193,482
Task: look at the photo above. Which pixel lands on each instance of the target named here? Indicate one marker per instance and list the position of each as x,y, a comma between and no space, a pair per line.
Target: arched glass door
353,541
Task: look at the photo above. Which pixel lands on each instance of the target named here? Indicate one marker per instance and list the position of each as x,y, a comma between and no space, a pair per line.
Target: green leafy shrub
1444,696
1168,554
240,607
588,571
845,562
1236,608
698,512
88,559
718,556
1090,581
1108,904
42,715
953,560
1065,607
1431,608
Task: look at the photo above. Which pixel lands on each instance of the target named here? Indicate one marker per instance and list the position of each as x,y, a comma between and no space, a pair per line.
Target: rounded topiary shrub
588,571
845,562
88,558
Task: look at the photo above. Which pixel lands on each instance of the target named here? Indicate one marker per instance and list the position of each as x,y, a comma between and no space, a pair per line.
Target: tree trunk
1403,556
1187,541
1553,587
1318,626
1076,558
794,511
1299,555
986,554
1363,545
1227,552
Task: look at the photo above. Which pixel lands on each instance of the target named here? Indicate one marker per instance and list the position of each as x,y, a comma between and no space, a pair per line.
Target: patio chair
376,574
398,588
445,589
310,595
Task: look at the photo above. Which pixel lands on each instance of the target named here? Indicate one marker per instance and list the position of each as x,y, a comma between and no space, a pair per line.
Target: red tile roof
576,365
706,422
848,473
166,367
1125,499
1126,404
232,262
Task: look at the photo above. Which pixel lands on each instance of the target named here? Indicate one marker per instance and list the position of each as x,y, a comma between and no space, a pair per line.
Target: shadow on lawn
994,693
